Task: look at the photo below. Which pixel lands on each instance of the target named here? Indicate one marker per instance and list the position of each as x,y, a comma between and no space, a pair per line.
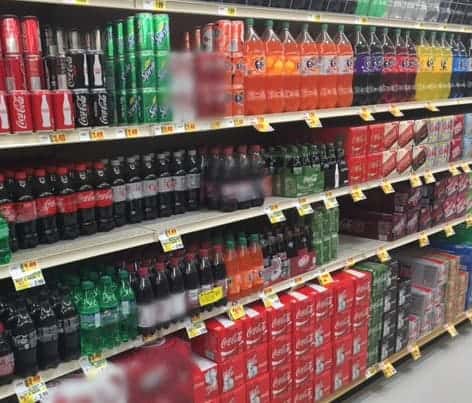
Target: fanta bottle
328,69
255,76
425,68
274,51
345,67
309,70
291,69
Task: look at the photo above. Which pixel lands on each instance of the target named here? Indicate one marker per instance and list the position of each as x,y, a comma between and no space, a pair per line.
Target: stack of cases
325,227
403,309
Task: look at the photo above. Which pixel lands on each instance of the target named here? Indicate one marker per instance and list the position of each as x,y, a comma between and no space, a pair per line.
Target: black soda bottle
218,269
118,187
24,340
214,179
7,360
150,187
192,284
242,175
256,170
7,211
193,180
85,200
45,207
165,185
376,67
68,325
177,291
26,214
162,296
205,274
225,174
177,169
66,202
134,191
361,68
103,198
52,177
145,303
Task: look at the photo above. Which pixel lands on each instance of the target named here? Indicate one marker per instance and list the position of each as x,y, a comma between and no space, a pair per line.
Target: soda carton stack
325,228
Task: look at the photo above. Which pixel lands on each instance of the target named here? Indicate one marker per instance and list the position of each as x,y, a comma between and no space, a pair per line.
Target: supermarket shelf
86,135
243,11
147,232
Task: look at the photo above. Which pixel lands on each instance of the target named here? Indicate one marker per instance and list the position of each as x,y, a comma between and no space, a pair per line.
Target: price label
80,2
304,208
350,262
236,312
97,135
210,296
431,107
451,329
423,240
167,129
330,201
366,115
313,120
383,255
298,281
388,369
190,126
171,240
429,177
415,181
270,300
468,221
31,390
238,122
263,126
314,17
229,11
195,329
449,231
93,365
454,170
465,168
396,112
415,352
275,214
58,138
371,371
325,279
27,275
132,132
387,187
160,5
357,194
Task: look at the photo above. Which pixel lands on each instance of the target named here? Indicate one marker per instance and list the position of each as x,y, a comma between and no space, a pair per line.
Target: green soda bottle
5,252
74,283
377,8
109,313
89,320
128,311
362,7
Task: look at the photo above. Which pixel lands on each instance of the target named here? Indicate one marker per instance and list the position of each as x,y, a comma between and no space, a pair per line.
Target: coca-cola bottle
202,164
134,191
7,360
24,340
85,200
165,185
66,203
150,187
52,177
103,199
193,180
26,214
163,302
7,211
177,291
145,303
192,284
46,207
205,274
219,272
177,169
256,167
118,186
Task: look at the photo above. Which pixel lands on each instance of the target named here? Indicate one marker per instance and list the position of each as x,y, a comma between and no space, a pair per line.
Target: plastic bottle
103,198
7,360
376,67
218,269
256,169
145,304
109,314
5,251
245,266
24,340
396,8
291,71
445,68
163,301
459,67
205,274
255,75
425,67
432,10
468,74
345,65
256,261
412,68
26,214
362,7
232,268
402,65
134,191
192,284
177,291
150,187
243,175
390,77
177,169
118,186
90,321
69,326
165,185
7,211
361,68
309,70
85,201
327,88
45,207
274,51
444,11
225,177
377,8
193,180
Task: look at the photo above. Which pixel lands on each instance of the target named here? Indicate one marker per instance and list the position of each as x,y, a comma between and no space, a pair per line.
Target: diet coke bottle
134,191
7,211
85,201
46,207
66,205
26,214
118,184
103,199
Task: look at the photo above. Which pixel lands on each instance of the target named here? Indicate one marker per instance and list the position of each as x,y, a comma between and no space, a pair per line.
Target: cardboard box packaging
256,361
342,350
303,394
343,288
303,343
360,316
323,300
258,389
303,371
322,386
359,366
357,169
255,327
404,162
279,349
362,286
342,324
231,373
389,163
374,166
205,378
302,310
237,395
281,384
360,340
323,332
323,360
420,132
405,133
279,321
387,346
341,376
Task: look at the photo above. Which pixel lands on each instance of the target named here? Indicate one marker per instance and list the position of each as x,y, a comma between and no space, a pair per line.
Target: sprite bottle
109,313
128,311
90,324
5,252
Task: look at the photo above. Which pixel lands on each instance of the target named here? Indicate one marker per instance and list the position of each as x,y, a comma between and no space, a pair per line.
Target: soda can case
77,69
20,112
34,72
63,109
83,108
100,107
42,107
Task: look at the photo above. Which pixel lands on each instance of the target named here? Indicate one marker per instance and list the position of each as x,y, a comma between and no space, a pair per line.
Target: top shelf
243,11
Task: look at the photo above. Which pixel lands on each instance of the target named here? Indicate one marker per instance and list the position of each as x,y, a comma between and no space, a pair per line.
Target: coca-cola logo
228,342
303,372
86,197
303,396
283,350
19,104
46,206
281,321
303,315
103,108
149,69
70,72
82,109
282,380
254,333
104,195
304,261
303,343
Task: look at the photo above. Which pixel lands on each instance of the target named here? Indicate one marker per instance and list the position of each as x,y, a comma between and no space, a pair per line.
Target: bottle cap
305,27
203,252
218,248
254,237
285,25
189,257
99,165
324,27
174,261
372,29
123,274
20,175
229,244
2,178
269,24
242,149
341,28
228,150
81,167
160,266
106,280
358,28
250,21
87,285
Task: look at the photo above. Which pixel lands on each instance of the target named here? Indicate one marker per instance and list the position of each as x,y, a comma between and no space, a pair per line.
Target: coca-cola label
303,344
82,110
150,187
101,109
19,105
70,325
165,184
7,211
119,193
47,334
280,324
193,181
7,364
303,371
104,197
46,206
66,204
134,190
25,341
230,344
25,211
86,199
180,183
255,334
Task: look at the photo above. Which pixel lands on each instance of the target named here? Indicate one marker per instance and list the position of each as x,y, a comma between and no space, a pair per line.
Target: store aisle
441,375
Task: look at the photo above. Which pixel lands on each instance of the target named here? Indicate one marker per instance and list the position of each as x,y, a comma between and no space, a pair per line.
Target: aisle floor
443,374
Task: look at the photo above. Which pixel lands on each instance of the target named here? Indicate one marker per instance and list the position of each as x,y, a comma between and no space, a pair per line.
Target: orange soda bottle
345,65
291,69
255,75
309,70
232,270
328,71
257,262
245,266
274,50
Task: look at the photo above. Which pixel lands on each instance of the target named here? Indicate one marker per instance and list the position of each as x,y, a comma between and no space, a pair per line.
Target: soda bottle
225,191
165,185
205,274
256,262
90,321
412,67
282,254
425,56
402,65
245,266
345,66
390,77
134,191
103,198
377,8
255,72
46,208
109,314
445,68
274,51
456,67
309,70
362,7
334,6
48,333
7,211
432,10
192,284
444,11
291,71
193,180
85,200
26,213
145,304
163,301
68,325
128,310
24,340
118,187
361,68
327,91
460,61
150,187
177,291
177,169
202,166
468,79
376,67
232,268
256,169
7,360
219,272
418,12
243,175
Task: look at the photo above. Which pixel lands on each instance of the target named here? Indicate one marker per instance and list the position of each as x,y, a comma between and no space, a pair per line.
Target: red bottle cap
99,165
174,261
51,169
40,172
255,148
228,150
143,272
189,257
160,266
2,178
203,253
242,149
62,171
20,175
80,167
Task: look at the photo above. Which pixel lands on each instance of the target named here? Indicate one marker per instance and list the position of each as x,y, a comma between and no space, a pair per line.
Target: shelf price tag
396,112
298,281
449,231
325,279
58,138
93,365
313,120
171,240
31,389
383,255
366,115
387,187
97,135
415,181
190,127
388,369
350,262
275,214
431,107
195,329
167,129
415,351
465,168
423,240
27,275
451,329
263,126
160,5
131,132
304,208
468,221
454,170
236,312
81,2
238,122
429,177
357,194
229,11
371,371
270,298
210,296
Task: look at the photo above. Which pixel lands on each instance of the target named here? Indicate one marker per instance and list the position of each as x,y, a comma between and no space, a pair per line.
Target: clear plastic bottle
291,72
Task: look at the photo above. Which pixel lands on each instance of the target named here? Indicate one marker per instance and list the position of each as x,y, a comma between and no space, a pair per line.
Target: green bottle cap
358,28
229,244
372,29
254,238
385,30
123,275
341,28
324,27
285,25
106,280
269,24
305,27
250,21
87,285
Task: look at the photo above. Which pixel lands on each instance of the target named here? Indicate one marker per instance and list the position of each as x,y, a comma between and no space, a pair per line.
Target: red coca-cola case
237,395
281,384
323,332
342,324
42,106
458,128
343,288
258,389
205,379
279,321
341,376
15,76
303,394
374,165
355,139
357,169
4,121
360,316
390,136
404,160
389,163
231,373
19,111
322,386
342,350
323,359
302,342
362,285
303,371
360,339
375,142
64,112
223,340
279,351
256,361
255,327
359,366
302,310
324,300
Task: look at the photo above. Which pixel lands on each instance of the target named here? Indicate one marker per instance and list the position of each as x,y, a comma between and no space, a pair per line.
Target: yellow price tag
330,202
93,365
97,135
160,5
363,20
58,138
238,122
195,329
431,107
429,177
27,275
190,126
415,181
167,129
451,329
415,352
270,300
275,214
210,296
449,231
454,170
383,255
423,240
30,266
371,371
298,281
132,132
396,112
350,262
366,115
215,125
304,208
31,390
465,168
81,2
263,126
325,279
357,194
387,187
388,369
468,221
312,120
171,240
236,312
